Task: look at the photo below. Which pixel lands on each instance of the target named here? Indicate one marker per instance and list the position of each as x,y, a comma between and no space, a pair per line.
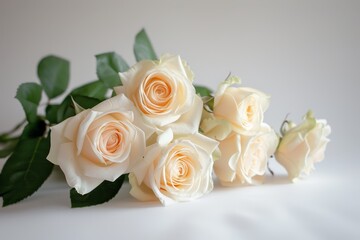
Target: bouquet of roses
151,125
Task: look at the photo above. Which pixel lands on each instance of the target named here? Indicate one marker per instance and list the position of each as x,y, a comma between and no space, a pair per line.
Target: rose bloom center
179,170
155,95
111,140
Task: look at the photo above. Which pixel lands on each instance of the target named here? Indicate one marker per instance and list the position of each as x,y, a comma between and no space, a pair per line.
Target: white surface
305,54
324,206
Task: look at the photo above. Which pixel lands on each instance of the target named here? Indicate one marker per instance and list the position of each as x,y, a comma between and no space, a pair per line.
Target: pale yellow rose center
111,141
250,113
179,170
155,95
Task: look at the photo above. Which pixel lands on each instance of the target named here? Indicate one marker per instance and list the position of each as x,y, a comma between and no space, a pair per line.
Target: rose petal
72,126
140,192
137,149
165,138
56,139
137,72
166,201
298,152
83,128
225,167
105,172
189,122
73,173
177,65
216,128
145,127
162,121
231,80
206,143
119,90
140,170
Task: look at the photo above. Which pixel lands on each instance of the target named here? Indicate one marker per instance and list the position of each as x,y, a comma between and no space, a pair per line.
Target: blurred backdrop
305,54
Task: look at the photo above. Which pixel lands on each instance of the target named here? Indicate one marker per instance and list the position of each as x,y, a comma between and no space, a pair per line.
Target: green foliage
86,102
108,66
27,168
51,113
62,111
143,48
57,113
34,130
29,95
8,148
103,193
95,89
86,96
54,75
203,91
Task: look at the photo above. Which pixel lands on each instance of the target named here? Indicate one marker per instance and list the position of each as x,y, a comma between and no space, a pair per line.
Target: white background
305,54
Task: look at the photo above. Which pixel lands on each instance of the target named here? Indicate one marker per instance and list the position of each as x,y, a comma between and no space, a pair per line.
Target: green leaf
4,138
93,92
103,193
8,136
203,91
143,48
34,130
108,66
54,74
65,110
29,95
8,148
86,102
77,107
31,130
58,113
95,89
26,170
51,113
208,102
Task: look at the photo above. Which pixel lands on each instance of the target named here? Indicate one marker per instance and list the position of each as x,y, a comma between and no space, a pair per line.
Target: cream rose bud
302,146
163,93
98,144
244,158
243,107
174,170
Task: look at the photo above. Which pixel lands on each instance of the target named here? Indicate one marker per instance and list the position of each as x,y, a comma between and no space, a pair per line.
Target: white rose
163,93
175,170
242,107
244,158
98,144
303,145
